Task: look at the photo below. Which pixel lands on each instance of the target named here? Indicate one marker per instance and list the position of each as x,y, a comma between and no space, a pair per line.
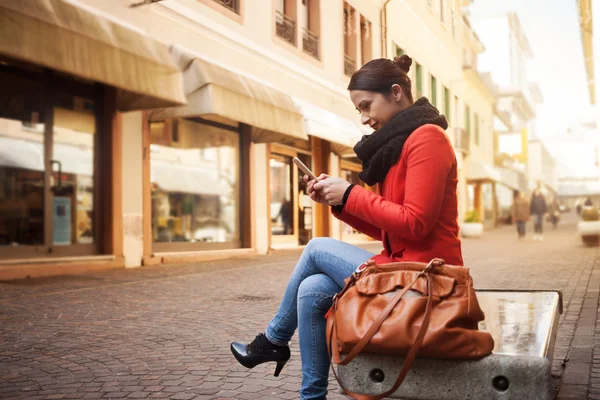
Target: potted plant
472,225
589,226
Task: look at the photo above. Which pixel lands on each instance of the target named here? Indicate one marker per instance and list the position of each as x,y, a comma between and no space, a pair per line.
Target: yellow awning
213,90
71,38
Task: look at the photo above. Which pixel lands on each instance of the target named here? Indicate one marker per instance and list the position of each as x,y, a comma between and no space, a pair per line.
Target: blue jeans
521,228
319,274
538,223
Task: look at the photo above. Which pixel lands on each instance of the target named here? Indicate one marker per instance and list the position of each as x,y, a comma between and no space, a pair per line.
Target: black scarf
381,149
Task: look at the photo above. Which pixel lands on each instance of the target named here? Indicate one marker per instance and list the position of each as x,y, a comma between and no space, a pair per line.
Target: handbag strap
362,343
410,357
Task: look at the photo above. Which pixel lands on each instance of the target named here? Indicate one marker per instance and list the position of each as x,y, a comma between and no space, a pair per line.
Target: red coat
416,214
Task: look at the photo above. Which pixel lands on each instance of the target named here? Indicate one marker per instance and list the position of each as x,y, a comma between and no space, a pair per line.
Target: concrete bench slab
523,325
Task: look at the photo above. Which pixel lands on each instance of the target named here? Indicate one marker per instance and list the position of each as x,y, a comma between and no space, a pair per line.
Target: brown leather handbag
405,308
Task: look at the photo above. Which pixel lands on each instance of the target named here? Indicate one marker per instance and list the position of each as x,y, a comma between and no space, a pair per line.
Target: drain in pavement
247,297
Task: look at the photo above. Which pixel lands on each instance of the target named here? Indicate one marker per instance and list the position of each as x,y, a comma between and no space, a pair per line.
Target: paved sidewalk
163,332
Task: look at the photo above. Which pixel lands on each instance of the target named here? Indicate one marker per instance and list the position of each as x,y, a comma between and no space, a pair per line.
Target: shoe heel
280,365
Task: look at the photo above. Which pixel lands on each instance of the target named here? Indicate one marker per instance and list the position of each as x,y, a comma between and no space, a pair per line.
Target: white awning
329,126
478,171
73,38
214,90
27,154
183,178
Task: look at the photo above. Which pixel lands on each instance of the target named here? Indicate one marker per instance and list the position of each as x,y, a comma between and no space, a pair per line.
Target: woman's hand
327,190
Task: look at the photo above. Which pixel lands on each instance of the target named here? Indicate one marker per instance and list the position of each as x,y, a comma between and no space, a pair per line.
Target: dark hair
381,74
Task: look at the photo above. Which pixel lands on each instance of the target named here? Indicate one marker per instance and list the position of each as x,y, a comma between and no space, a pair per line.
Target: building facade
517,98
198,165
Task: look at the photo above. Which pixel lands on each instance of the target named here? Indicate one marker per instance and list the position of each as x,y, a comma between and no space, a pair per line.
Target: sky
552,29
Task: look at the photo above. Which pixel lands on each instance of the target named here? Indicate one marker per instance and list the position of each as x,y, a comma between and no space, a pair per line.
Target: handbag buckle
363,266
436,262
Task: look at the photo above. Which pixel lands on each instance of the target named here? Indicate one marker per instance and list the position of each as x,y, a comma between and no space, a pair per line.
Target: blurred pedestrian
588,202
553,212
520,212
538,208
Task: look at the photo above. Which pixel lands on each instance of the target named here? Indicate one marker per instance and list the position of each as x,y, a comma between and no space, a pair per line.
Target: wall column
261,200
132,194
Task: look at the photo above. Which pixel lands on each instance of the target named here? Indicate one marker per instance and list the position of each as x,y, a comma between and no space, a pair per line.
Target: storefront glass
46,171
282,191
352,177
73,171
195,185
21,162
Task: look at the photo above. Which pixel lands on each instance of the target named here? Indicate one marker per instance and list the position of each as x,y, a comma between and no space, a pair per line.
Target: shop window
349,171
282,195
48,179
195,189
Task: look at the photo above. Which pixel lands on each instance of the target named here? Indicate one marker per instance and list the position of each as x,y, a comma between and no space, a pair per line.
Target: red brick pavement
163,332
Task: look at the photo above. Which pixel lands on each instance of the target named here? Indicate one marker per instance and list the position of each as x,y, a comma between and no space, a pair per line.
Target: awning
26,154
75,39
182,178
213,90
478,171
341,132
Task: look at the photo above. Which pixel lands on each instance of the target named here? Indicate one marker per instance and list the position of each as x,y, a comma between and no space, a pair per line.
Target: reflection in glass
519,322
352,177
305,205
194,178
73,171
282,210
21,162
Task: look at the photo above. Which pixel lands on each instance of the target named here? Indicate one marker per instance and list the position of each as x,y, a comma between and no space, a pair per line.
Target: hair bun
404,62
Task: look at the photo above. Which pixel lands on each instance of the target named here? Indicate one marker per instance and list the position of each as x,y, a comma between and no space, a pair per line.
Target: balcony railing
349,65
462,141
285,27
310,43
233,5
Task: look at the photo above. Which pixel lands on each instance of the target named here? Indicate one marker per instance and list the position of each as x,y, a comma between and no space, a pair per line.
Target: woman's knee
317,287
320,243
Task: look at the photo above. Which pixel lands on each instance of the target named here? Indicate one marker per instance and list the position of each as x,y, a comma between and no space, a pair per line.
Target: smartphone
304,168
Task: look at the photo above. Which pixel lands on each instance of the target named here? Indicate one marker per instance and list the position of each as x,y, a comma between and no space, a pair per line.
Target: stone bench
523,324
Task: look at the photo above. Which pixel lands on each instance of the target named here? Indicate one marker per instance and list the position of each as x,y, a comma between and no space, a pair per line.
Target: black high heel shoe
261,351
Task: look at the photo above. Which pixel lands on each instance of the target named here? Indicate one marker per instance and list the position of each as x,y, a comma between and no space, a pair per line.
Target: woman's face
377,109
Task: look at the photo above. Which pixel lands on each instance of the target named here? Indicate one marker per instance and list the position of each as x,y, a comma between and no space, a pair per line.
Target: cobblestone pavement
163,331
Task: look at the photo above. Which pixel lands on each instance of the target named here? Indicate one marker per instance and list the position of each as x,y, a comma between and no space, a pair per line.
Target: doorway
290,207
